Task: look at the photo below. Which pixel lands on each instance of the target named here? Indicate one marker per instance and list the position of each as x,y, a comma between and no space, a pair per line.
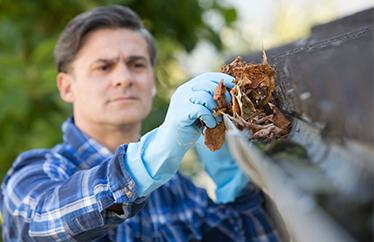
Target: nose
122,76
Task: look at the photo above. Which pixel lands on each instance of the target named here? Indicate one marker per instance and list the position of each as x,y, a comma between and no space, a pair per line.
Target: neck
111,136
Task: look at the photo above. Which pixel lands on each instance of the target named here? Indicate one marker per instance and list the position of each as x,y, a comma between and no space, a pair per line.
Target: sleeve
69,205
245,219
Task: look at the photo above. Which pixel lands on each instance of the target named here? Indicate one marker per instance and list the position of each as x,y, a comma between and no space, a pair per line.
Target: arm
72,207
156,158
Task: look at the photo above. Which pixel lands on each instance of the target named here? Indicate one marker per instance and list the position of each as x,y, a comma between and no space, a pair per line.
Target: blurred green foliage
31,111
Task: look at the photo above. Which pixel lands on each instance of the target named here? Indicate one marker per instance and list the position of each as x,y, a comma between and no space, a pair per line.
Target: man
105,182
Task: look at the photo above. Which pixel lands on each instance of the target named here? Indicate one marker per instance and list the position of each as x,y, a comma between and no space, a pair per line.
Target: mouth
123,99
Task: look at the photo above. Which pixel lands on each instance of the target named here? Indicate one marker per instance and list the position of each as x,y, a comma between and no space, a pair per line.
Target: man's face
112,80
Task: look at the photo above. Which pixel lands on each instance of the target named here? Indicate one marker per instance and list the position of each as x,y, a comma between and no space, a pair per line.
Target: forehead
109,43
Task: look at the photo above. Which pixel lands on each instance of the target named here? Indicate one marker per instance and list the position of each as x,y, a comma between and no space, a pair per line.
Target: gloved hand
156,158
223,170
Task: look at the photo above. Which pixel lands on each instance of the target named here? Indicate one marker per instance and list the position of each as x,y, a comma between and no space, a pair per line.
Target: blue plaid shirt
61,194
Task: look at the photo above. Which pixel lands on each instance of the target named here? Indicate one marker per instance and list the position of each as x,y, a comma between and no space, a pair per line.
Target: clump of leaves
251,104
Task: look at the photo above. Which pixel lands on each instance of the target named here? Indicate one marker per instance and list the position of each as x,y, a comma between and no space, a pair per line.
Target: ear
154,91
154,88
65,87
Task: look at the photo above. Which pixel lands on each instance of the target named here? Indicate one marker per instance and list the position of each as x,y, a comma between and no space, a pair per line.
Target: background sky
269,23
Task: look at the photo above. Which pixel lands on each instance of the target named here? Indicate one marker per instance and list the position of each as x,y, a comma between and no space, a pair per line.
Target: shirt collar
88,151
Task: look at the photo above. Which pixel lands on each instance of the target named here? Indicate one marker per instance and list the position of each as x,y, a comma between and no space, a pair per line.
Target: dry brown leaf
220,95
215,137
235,104
279,119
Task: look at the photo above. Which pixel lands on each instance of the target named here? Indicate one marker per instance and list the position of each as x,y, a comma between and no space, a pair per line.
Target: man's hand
223,170
156,158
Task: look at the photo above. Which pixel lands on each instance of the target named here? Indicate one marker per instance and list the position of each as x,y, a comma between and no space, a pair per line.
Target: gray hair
76,31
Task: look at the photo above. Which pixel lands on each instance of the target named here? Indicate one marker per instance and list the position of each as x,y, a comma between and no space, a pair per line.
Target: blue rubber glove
156,158
223,170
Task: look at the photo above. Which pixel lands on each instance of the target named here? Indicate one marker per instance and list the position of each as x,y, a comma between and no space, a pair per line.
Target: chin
130,117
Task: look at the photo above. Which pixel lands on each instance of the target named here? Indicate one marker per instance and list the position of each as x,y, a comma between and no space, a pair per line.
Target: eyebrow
116,59
105,60
136,57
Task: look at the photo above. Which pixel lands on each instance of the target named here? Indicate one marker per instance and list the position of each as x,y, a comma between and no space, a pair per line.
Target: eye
104,67
139,65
